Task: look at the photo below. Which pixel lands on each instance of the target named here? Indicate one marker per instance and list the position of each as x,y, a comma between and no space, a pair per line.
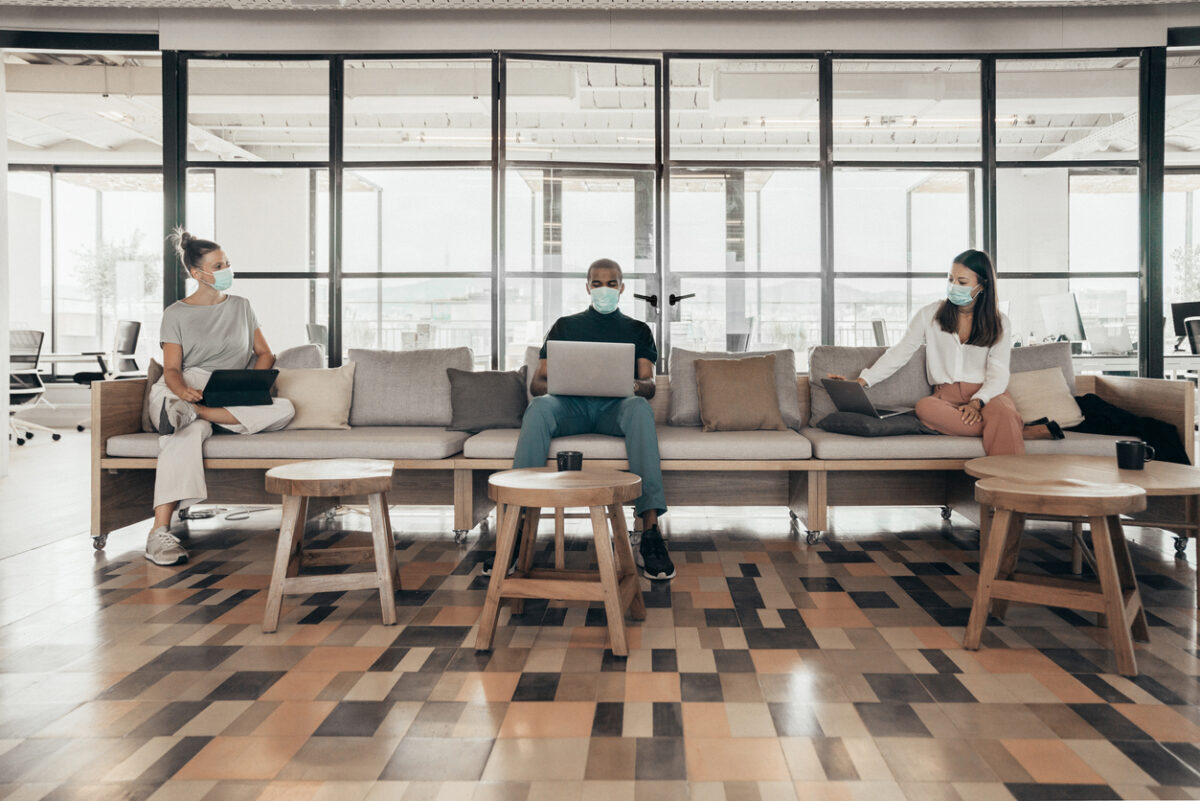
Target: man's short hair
606,264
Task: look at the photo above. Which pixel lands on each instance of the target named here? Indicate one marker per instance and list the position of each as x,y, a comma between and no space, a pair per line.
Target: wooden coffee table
1158,479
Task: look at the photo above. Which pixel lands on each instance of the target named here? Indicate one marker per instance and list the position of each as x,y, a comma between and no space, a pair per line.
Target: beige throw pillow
153,372
321,395
738,394
1044,393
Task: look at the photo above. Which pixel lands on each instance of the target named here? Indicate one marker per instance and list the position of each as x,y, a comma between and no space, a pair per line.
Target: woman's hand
837,377
972,412
191,395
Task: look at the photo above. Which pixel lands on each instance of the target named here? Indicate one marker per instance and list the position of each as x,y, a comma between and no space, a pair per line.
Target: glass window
859,304
258,110
404,110
734,110
1059,220
575,111
266,220
1042,310
749,314
1069,108
563,220
745,220
285,306
29,252
906,110
1181,248
904,220
1183,107
411,313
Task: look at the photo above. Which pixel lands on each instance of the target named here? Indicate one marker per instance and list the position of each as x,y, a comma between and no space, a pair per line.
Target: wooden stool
332,478
1117,597
602,492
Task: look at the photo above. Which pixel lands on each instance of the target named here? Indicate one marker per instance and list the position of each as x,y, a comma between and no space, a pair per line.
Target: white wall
3,265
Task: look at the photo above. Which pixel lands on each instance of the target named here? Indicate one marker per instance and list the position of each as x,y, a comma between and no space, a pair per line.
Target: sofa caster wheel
79,428
945,512
485,527
56,437
99,542
812,537
1180,547
460,535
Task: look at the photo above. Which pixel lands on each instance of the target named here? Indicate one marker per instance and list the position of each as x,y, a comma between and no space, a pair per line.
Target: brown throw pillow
738,394
153,372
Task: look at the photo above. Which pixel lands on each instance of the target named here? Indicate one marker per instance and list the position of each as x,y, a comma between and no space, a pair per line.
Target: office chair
317,334
881,337
1192,326
25,387
124,345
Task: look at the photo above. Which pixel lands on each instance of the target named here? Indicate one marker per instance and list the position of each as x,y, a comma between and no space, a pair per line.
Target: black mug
1132,454
569,460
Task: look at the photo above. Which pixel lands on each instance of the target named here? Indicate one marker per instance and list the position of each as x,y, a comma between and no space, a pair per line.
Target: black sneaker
652,557
488,563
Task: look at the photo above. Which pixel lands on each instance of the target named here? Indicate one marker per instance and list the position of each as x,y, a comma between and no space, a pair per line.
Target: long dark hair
986,327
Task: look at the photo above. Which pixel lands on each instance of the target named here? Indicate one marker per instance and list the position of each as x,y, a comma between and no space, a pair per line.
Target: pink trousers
1001,426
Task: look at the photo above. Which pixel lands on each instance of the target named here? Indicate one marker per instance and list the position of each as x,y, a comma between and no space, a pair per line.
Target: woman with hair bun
208,330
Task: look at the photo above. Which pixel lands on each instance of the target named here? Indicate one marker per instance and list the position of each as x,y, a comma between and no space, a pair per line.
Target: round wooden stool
332,478
602,492
1100,505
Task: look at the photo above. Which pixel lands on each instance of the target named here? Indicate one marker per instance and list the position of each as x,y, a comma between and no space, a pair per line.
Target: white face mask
605,299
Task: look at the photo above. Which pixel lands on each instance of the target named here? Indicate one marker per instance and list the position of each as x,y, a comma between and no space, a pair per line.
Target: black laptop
239,388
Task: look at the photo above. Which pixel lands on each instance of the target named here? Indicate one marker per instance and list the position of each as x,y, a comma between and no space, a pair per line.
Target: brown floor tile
295,718
735,759
242,758
326,658
1052,762
559,719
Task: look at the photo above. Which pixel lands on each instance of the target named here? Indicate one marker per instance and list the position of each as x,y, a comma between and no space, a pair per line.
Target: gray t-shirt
218,337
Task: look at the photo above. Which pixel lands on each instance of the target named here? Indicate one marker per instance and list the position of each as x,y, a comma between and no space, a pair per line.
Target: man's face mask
605,299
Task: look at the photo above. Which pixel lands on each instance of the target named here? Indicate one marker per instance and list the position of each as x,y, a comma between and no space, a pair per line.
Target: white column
3,265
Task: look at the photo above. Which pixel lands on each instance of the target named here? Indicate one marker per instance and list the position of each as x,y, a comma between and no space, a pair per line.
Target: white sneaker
164,549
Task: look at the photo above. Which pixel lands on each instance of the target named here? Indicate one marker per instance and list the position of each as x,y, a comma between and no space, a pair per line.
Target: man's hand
972,412
836,377
644,387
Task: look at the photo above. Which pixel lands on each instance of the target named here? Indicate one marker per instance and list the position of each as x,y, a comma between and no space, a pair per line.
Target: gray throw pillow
486,400
903,388
533,360
1039,357
683,404
864,425
404,387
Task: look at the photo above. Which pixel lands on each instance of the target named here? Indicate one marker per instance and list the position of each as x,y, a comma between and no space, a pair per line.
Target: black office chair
1192,326
25,386
124,346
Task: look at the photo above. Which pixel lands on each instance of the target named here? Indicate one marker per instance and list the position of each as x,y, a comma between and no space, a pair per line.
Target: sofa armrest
1172,402
116,410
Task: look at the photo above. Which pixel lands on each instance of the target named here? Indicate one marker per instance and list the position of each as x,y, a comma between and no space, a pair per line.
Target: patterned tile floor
767,670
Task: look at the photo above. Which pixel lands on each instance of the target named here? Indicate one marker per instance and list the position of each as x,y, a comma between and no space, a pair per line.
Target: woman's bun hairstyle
190,249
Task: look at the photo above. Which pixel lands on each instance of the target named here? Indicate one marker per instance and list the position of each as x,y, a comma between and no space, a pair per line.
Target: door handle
673,299
651,299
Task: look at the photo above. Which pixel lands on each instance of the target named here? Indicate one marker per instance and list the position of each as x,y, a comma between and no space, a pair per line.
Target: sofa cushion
320,396
903,388
864,425
738,394
1044,394
487,399
1039,357
301,357
154,372
674,442
683,404
827,445
404,388
366,442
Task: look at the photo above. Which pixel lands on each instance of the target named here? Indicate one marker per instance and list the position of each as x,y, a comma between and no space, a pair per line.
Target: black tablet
239,388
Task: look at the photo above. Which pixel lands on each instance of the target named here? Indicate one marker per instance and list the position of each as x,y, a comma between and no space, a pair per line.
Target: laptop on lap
239,388
850,396
593,369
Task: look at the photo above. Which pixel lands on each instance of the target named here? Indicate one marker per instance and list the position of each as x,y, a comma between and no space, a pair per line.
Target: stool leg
1008,559
283,554
533,517
385,555
1141,630
505,539
560,538
1110,584
296,559
1076,548
609,581
997,532
625,563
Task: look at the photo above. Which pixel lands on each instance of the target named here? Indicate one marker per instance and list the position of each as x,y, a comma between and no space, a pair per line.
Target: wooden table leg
1110,584
505,539
610,581
291,522
385,555
560,538
297,556
1141,630
533,516
1192,517
1008,557
625,563
987,574
1077,548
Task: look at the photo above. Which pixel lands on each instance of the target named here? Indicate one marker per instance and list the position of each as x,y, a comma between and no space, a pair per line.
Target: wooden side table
602,492
1117,596
332,478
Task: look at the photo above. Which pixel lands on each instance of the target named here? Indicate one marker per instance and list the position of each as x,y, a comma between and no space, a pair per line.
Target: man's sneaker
512,565
163,549
652,557
175,414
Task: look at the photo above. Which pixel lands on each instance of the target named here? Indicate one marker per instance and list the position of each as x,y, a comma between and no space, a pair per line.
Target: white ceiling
588,5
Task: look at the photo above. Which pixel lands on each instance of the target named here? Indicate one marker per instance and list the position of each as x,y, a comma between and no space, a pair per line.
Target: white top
947,360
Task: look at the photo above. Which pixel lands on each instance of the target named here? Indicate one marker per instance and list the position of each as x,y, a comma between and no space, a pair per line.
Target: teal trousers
551,416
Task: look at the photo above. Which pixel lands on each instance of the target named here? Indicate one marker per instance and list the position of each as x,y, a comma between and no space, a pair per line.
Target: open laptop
850,396
239,388
597,369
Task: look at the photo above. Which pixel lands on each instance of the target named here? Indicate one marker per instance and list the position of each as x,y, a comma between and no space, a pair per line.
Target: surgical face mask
959,295
221,279
605,299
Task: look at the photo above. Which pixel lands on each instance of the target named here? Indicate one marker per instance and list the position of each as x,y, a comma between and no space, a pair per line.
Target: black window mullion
174,169
987,76
825,126
336,146
499,173
1151,157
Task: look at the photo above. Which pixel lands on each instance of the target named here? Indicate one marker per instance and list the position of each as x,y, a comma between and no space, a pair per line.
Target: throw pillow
903,388
153,372
301,356
405,387
321,395
480,401
1044,393
1039,357
864,425
683,403
738,394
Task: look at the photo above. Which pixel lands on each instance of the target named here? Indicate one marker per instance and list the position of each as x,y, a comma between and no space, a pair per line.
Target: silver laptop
598,369
850,396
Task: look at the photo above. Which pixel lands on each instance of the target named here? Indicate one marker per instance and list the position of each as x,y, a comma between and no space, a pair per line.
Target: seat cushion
674,442
827,445
364,442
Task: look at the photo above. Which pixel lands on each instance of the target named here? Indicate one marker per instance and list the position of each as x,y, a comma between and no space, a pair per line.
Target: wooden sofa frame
122,487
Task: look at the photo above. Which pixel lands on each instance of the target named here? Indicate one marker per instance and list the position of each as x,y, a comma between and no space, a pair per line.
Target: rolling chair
317,334
124,345
25,387
1192,326
880,328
